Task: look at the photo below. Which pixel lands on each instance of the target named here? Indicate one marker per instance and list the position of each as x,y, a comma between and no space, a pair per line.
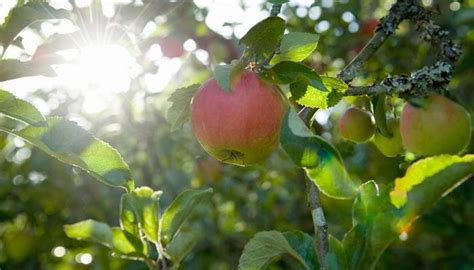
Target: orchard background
112,67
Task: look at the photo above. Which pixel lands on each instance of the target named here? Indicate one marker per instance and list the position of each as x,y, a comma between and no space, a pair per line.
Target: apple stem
420,82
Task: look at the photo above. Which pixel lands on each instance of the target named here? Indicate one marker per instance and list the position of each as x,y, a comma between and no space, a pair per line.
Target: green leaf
372,210
92,231
20,110
336,258
355,243
296,47
71,144
181,245
426,181
265,246
319,158
113,238
290,72
175,215
378,102
24,15
225,74
140,208
12,69
265,35
180,109
128,218
309,96
303,244
127,243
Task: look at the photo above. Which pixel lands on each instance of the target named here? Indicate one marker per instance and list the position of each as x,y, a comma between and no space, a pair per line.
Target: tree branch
321,242
319,222
386,27
419,82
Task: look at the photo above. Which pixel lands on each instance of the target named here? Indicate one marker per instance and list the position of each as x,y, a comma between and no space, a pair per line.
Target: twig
386,27
419,82
319,222
276,9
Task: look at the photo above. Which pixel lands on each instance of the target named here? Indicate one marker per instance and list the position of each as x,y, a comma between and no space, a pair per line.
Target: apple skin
241,127
441,126
390,146
171,47
356,125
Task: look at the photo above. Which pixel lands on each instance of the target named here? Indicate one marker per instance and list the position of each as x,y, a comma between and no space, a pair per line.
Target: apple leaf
128,244
378,102
225,74
373,212
23,15
180,109
92,231
320,159
267,245
287,72
71,144
336,258
128,218
140,207
265,35
309,96
113,238
355,244
179,210
426,181
19,109
181,245
303,244
12,69
296,47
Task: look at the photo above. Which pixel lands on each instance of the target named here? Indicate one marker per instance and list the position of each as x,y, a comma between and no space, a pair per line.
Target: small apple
241,127
356,125
171,47
390,146
439,126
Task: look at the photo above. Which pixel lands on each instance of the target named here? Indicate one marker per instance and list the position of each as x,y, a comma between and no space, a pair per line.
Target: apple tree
264,101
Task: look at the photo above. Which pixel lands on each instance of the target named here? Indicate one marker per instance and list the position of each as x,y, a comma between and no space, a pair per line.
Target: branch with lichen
419,82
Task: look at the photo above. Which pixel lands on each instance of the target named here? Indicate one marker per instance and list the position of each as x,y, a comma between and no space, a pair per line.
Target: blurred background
123,60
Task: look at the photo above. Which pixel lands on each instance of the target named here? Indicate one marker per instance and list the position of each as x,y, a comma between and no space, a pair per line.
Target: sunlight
99,72
107,68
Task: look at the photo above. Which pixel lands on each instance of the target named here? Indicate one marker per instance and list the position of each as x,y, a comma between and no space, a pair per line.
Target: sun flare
98,73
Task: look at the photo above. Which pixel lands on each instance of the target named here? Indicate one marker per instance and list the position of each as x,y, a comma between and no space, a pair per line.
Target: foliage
253,217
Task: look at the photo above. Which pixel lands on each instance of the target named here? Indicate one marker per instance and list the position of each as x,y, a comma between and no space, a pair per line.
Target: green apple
356,125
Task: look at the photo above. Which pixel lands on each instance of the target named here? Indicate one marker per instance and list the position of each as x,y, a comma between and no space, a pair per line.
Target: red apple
171,47
241,127
439,126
